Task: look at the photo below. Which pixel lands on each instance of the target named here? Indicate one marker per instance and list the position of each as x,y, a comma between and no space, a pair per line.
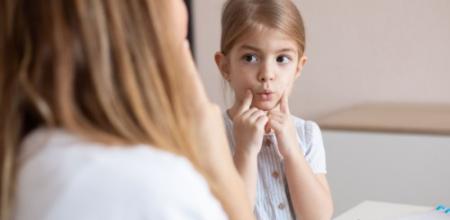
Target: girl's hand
285,131
248,126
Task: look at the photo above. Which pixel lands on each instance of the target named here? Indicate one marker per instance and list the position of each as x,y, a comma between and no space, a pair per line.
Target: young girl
280,157
103,116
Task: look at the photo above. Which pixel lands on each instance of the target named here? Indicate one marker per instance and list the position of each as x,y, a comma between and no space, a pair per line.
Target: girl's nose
265,78
266,74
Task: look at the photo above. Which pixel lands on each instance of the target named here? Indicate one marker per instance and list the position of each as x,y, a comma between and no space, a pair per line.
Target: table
375,210
391,117
388,152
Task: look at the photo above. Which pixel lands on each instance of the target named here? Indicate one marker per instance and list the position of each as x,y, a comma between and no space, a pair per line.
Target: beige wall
359,51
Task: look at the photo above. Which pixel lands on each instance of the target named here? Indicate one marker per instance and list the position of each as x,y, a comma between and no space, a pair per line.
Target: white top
272,198
62,176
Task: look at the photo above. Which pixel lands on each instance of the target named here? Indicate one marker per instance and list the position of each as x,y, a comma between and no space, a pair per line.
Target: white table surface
374,210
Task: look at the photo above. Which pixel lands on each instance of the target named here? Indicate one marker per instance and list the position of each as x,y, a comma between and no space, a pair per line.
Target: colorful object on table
440,207
441,212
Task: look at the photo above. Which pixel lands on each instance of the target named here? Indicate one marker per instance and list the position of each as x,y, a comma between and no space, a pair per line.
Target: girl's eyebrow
249,47
288,49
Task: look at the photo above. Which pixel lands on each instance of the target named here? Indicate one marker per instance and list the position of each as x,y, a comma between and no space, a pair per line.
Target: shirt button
275,174
281,206
267,142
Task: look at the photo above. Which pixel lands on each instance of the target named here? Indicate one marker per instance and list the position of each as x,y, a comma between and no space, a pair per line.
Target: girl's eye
250,58
283,59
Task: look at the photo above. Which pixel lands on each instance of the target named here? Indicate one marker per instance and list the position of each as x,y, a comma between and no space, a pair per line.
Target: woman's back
77,179
117,73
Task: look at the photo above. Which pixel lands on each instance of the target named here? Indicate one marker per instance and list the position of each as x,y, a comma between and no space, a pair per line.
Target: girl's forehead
267,38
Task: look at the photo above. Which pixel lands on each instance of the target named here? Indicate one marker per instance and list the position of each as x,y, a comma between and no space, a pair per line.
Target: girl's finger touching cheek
246,102
284,105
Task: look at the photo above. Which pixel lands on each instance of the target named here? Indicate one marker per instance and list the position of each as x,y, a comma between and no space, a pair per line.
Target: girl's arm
310,193
248,131
246,164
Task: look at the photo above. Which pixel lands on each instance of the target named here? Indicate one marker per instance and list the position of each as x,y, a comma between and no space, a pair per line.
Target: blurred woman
103,116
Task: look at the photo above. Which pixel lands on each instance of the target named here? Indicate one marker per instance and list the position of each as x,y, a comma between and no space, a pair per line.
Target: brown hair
106,70
240,17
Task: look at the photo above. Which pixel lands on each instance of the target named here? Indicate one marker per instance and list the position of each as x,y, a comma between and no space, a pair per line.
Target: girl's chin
265,106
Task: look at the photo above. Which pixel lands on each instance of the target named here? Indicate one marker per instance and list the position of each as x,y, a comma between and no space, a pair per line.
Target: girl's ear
301,64
222,64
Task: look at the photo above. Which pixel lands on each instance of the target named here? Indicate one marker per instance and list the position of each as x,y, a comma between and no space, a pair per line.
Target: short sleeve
315,151
229,131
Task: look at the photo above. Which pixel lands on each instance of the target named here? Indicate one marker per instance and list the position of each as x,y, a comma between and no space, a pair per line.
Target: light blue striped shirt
272,196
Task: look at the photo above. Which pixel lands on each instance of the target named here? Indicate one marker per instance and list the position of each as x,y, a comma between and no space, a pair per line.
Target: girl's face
266,62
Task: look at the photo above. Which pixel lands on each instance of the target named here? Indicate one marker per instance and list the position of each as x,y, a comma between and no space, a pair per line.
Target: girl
97,119
280,157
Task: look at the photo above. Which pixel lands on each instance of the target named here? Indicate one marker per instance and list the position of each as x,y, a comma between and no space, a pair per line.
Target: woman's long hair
106,70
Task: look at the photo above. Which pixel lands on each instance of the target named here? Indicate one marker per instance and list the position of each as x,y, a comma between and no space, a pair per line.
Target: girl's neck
231,112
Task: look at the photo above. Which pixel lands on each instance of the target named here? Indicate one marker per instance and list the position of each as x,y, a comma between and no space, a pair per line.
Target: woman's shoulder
74,175
63,152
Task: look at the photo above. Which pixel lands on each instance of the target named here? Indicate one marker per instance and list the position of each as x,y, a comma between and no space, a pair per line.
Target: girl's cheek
286,83
244,69
243,85
238,85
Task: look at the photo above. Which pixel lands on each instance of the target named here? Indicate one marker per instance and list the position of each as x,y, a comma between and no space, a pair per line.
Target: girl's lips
265,96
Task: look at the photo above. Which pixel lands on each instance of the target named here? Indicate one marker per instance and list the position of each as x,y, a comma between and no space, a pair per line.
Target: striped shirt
272,196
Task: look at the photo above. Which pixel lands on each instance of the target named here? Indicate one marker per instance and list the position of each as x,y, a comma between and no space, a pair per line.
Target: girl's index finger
246,102
284,105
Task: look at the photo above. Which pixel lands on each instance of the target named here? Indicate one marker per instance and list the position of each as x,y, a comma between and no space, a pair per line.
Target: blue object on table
440,208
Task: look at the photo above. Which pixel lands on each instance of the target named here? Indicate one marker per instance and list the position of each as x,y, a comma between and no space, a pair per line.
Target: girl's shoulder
72,175
307,130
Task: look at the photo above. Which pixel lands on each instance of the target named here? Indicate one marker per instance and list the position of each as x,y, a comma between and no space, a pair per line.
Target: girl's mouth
266,95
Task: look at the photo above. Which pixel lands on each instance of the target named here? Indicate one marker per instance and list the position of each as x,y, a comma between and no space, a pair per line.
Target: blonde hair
106,70
240,17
